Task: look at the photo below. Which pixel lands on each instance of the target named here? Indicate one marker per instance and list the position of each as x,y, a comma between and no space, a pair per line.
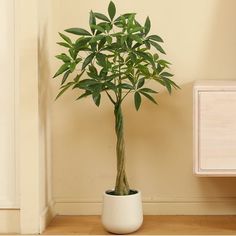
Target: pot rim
122,196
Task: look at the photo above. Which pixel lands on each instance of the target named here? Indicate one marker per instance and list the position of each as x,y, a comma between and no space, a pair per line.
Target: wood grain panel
217,130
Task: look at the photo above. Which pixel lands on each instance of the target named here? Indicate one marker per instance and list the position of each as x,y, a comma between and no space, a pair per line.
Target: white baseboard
206,206
47,215
9,221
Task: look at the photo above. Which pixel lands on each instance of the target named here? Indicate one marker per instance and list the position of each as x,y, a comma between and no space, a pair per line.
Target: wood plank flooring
153,225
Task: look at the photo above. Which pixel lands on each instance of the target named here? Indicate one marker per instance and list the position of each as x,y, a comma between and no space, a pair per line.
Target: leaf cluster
114,57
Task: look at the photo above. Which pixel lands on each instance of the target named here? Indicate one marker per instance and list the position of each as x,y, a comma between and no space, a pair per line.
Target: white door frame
27,127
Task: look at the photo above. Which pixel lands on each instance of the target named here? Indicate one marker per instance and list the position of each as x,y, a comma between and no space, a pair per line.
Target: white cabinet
215,128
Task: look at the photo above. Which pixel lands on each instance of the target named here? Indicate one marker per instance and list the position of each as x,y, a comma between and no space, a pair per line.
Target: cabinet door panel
217,130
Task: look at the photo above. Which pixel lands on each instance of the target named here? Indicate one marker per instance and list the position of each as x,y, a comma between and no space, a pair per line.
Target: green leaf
137,24
63,57
146,57
96,38
97,98
77,60
72,67
147,26
136,45
133,57
108,26
147,90
101,43
101,58
62,69
76,79
147,44
97,27
110,86
73,53
85,94
143,69
119,24
85,49
64,44
131,79
101,16
164,63
157,46
149,97
66,85
86,83
174,84
62,91
93,69
66,38
81,42
140,83
159,81
137,100
167,84
155,38
111,10
136,37
87,60
103,73
78,31
124,16
93,76
130,23
171,82
159,68
65,76
136,29
125,86
155,56
121,40
166,74
109,39
92,21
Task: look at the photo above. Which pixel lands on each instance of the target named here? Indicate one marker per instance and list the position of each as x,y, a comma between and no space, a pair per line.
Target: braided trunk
122,186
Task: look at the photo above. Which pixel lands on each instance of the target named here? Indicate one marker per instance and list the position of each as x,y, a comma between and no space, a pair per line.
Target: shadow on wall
160,147
44,113
159,144
220,60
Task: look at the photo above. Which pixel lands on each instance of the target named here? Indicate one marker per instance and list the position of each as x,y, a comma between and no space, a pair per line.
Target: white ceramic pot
122,214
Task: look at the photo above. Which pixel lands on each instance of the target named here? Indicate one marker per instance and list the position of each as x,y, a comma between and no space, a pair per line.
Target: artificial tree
115,57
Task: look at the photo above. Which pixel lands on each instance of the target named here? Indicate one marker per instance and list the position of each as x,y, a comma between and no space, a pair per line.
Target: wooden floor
153,225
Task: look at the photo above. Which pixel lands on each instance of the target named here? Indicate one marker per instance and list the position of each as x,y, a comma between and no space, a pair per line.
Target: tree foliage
116,56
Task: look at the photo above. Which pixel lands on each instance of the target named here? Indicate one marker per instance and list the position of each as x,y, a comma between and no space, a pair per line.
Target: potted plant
115,57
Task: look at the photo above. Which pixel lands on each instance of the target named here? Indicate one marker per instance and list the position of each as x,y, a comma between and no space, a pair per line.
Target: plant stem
110,97
122,186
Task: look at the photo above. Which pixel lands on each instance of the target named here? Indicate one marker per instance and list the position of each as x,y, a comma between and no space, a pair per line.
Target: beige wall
200,41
